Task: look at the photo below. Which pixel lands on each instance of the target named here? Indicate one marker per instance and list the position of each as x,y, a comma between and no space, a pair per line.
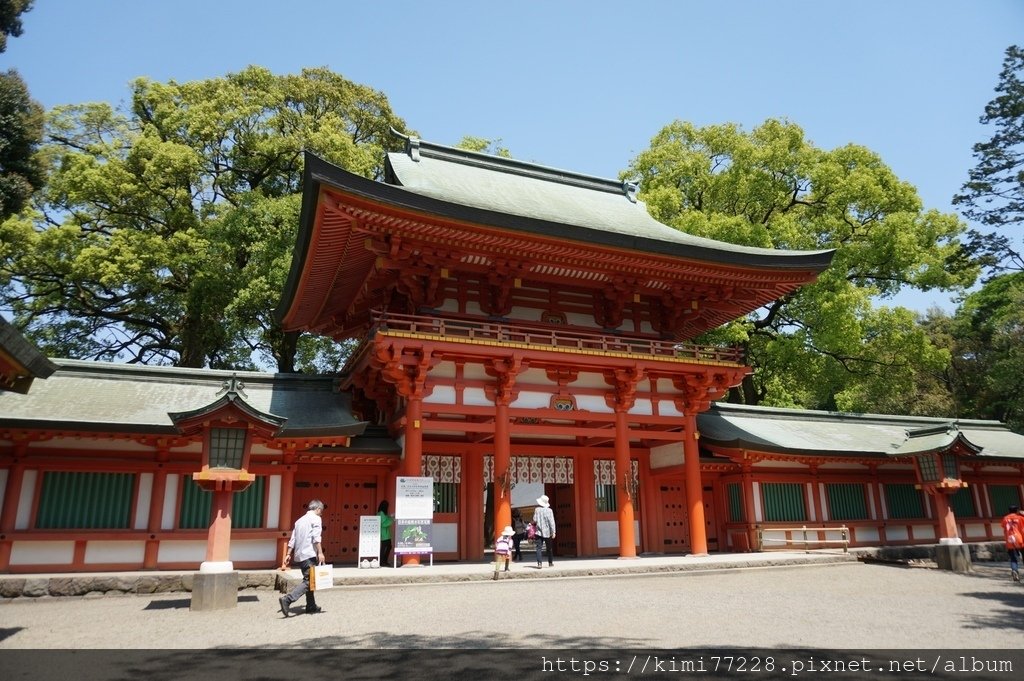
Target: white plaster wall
145,498
824,501
254,549
28,490
645,327
871,502
667,455
924,532
473,307
42,552
441,394
644,407
578,319
975,530
532,400
536,377
182,552
170,502
865,534
758,515
450,305
608,533
443,370
668,408
476,372
593,403
115,552
780,464
273,501
445,537
476,397
897,533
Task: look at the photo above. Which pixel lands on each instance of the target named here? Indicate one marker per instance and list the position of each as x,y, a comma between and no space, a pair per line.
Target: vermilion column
218,542
9,513
623,487
946,517
151,557
502,459
412,465
694,488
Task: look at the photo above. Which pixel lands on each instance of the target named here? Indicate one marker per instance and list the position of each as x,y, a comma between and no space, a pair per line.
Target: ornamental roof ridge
417,148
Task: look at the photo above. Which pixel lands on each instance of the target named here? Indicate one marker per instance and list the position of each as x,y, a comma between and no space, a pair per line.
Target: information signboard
414,515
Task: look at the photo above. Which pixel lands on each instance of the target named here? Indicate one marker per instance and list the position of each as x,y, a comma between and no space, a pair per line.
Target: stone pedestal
214,591
953,557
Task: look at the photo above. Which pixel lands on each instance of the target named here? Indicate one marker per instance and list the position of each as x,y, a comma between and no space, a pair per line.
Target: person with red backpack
1013,534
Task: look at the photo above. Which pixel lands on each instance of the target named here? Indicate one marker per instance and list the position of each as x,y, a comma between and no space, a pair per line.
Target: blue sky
581,85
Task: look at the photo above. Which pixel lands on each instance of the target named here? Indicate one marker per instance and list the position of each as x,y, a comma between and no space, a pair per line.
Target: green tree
986,338
826,346
166,230
10,19
21,124
994,192
21,131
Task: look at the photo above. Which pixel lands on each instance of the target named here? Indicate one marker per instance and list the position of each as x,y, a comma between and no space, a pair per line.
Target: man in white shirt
305,551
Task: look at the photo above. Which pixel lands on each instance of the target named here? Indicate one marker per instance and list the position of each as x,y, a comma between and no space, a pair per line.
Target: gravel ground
852,605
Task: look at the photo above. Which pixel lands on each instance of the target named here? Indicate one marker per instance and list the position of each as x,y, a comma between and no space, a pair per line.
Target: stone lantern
227,427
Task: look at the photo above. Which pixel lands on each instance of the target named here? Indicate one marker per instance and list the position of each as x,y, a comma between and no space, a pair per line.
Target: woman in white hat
544,519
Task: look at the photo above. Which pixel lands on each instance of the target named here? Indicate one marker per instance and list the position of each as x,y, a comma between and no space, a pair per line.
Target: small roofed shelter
20,361
889,480
527,325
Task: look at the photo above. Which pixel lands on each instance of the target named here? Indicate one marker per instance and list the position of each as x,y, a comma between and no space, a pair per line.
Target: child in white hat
503,549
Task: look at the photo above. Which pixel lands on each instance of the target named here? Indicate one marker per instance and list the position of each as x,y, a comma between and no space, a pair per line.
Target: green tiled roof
563,203
98,396
808,432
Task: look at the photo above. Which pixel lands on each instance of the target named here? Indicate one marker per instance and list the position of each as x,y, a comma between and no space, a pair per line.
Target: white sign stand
369,541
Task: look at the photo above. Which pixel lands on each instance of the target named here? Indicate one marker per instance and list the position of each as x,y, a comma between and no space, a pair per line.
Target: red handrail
558,339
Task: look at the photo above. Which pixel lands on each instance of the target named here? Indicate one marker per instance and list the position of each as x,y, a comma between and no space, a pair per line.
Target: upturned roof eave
319,173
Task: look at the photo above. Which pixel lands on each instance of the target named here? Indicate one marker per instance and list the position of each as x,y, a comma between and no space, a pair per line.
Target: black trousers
303,587
541,542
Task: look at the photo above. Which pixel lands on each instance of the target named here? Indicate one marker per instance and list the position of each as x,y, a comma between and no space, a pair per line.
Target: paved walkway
82,584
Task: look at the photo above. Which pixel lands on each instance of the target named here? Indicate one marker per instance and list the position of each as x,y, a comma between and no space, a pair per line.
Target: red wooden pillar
502,459
624,488
9,513
412,465
218,541
946,524
285,521
748,507
151,557
693,488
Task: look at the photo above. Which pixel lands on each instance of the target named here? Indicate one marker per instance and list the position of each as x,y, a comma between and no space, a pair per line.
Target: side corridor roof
807,432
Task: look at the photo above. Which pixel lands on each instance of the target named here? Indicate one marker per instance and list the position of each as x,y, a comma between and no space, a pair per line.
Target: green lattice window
735,492
962,503
783,501
846,501
85,501
446,497
904,501
1003,497
604,497
246,506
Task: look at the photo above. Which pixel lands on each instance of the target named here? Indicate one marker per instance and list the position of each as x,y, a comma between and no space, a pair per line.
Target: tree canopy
164,235
994,192
21,124
826,346
10,19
